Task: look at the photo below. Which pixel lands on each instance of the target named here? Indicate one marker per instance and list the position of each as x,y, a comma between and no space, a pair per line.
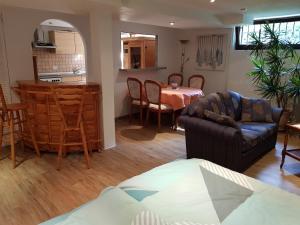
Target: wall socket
55,67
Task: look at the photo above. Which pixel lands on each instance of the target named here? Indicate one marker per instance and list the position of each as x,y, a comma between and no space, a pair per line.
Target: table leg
286,139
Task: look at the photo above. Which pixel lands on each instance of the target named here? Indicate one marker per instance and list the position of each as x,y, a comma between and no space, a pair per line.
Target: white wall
238,64
168,56
214,80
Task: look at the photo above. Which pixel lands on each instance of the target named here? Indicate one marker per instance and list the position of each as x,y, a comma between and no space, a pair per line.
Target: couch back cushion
196,109
232,102
256,110
216,103
221,119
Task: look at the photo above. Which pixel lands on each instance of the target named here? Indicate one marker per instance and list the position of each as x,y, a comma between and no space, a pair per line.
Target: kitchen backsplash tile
48,61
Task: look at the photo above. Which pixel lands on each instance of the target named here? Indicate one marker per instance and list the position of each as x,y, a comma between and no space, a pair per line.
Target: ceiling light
172,23
212,1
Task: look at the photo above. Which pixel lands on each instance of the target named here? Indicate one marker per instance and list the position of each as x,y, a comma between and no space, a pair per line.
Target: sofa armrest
276,114
211,141
208,127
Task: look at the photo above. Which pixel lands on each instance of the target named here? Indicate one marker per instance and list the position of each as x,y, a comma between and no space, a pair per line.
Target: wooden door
150,53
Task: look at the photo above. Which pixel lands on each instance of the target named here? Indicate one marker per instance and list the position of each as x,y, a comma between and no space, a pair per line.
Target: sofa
236,144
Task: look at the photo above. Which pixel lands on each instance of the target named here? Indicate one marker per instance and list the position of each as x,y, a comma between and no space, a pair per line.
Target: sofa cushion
197,108
216,103
256,110
232,103
254,132
221,119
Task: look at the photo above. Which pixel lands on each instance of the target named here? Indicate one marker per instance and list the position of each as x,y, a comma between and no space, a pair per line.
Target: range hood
41,39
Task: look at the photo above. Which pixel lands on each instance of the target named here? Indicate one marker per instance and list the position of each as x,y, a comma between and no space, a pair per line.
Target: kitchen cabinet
67,42
139,53
79,46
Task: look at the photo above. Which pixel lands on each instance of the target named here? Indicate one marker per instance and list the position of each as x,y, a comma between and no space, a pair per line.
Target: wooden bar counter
46,120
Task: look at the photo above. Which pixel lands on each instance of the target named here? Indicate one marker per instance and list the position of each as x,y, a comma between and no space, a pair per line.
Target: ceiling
185,13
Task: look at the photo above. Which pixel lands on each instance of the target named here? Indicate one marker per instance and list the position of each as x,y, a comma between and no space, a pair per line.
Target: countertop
62,74
47,84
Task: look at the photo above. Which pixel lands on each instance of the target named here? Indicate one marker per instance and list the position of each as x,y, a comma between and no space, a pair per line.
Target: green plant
276,72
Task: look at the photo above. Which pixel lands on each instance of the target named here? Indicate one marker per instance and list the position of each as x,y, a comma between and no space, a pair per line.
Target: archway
58,52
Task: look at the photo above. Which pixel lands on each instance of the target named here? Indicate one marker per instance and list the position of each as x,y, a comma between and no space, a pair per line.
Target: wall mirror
138,51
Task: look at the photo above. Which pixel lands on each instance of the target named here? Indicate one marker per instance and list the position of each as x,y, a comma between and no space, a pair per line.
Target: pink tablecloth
180,97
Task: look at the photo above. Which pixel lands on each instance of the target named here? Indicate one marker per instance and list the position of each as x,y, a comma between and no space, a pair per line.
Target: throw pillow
216,103
196,108
221,119
256,110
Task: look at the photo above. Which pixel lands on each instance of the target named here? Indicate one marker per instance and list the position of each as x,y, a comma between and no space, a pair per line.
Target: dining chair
196,81
175,78
135,89
153,95
13,117
69,102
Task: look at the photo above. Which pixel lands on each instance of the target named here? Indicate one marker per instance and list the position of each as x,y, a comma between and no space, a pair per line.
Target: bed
188,192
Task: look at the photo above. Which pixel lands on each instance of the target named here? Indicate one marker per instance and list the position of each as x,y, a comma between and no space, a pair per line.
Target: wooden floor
35,191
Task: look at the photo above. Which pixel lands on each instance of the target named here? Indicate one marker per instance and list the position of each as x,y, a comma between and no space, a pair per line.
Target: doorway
58,52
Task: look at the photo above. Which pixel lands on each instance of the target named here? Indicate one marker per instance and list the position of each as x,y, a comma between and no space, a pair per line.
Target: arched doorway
58,52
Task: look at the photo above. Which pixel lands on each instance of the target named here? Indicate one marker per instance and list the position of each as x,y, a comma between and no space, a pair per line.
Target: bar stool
12,115
69,101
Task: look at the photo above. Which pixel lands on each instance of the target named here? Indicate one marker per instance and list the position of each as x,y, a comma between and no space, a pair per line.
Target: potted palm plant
276,73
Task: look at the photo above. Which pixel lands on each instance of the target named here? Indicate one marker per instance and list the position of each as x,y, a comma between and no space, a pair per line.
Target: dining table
180,97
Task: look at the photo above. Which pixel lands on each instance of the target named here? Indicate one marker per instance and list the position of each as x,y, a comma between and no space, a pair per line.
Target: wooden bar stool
69,101
12,116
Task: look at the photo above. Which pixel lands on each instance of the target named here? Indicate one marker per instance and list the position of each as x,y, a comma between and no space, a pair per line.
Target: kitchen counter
46,120
62,74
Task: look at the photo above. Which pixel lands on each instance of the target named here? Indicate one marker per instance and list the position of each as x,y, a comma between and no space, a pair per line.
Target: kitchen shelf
144,70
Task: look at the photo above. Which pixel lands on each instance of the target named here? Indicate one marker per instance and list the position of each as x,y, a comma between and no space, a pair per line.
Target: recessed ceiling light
172,23
212,1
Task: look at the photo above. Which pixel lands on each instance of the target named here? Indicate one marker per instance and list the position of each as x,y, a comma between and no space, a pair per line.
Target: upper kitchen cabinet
64,41
79,46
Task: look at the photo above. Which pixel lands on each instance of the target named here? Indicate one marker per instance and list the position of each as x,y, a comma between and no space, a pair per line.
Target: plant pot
284,119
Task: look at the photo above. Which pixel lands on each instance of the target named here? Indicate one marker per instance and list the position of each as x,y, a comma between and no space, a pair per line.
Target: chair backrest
69,101
196,81
175,78
135,88
153,91
3,106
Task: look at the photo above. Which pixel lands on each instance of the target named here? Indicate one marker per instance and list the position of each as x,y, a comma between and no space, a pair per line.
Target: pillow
216,103
256,110
232,104
196,108
229,107
221,119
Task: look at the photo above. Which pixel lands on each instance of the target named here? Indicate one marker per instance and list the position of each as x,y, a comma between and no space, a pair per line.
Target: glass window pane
288,31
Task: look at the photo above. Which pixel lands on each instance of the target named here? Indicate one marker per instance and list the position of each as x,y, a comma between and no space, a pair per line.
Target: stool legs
60,149
1,136
12,139
85,147
33,139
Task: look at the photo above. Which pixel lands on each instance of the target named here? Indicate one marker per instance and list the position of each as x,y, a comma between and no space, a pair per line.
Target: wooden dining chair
70,102
196,81
12,120
153,95
135,89
175,78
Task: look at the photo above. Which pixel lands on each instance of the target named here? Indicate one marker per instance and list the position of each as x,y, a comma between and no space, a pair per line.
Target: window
288,28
